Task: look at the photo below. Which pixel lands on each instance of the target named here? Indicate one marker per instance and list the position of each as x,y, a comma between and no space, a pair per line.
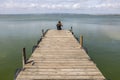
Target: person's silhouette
59,25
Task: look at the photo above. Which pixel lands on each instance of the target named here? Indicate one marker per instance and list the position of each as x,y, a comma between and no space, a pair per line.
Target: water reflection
112,32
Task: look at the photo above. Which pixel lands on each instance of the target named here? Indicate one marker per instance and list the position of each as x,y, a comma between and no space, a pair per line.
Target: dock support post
43,32
24,57
71,30
81,41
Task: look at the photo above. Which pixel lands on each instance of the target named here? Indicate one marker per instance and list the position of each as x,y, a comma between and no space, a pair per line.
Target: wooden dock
59,56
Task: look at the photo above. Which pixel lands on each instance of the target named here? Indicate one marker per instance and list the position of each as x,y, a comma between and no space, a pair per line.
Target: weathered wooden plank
62,70
62,77
62,73
39,50
49,58
62,56
62,64
45,59
65,62
61,67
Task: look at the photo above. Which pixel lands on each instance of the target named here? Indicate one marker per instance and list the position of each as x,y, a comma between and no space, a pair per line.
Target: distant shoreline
64,14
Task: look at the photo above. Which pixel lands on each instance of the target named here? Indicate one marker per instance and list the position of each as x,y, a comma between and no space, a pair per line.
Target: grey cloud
60,4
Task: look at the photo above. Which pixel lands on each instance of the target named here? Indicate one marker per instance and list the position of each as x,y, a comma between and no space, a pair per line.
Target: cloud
16,5
60,4
43,5
106,6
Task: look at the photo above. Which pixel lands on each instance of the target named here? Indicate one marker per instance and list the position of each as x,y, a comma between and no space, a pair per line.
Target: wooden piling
42,32
71,30
24,57
81,41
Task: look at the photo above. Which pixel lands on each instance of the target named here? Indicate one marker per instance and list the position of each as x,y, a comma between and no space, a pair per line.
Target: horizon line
60,13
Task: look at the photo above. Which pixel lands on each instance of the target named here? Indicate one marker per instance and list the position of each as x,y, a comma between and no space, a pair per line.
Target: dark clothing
59,25
59,28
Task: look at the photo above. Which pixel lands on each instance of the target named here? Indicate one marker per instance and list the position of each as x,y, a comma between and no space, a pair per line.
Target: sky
60,6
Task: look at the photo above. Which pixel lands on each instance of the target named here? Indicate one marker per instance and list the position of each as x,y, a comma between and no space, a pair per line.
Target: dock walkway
59,56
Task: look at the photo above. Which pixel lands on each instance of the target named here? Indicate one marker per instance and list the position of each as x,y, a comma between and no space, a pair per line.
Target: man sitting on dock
59,25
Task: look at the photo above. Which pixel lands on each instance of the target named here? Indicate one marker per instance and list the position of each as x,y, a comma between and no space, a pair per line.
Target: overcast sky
60,6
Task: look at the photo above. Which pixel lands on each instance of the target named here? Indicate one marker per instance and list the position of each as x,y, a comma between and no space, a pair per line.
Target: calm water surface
101,37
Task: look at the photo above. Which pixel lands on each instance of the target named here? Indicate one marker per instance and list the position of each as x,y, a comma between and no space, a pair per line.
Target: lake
101,38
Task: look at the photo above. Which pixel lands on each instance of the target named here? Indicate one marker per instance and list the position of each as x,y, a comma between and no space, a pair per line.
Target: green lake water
101,38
